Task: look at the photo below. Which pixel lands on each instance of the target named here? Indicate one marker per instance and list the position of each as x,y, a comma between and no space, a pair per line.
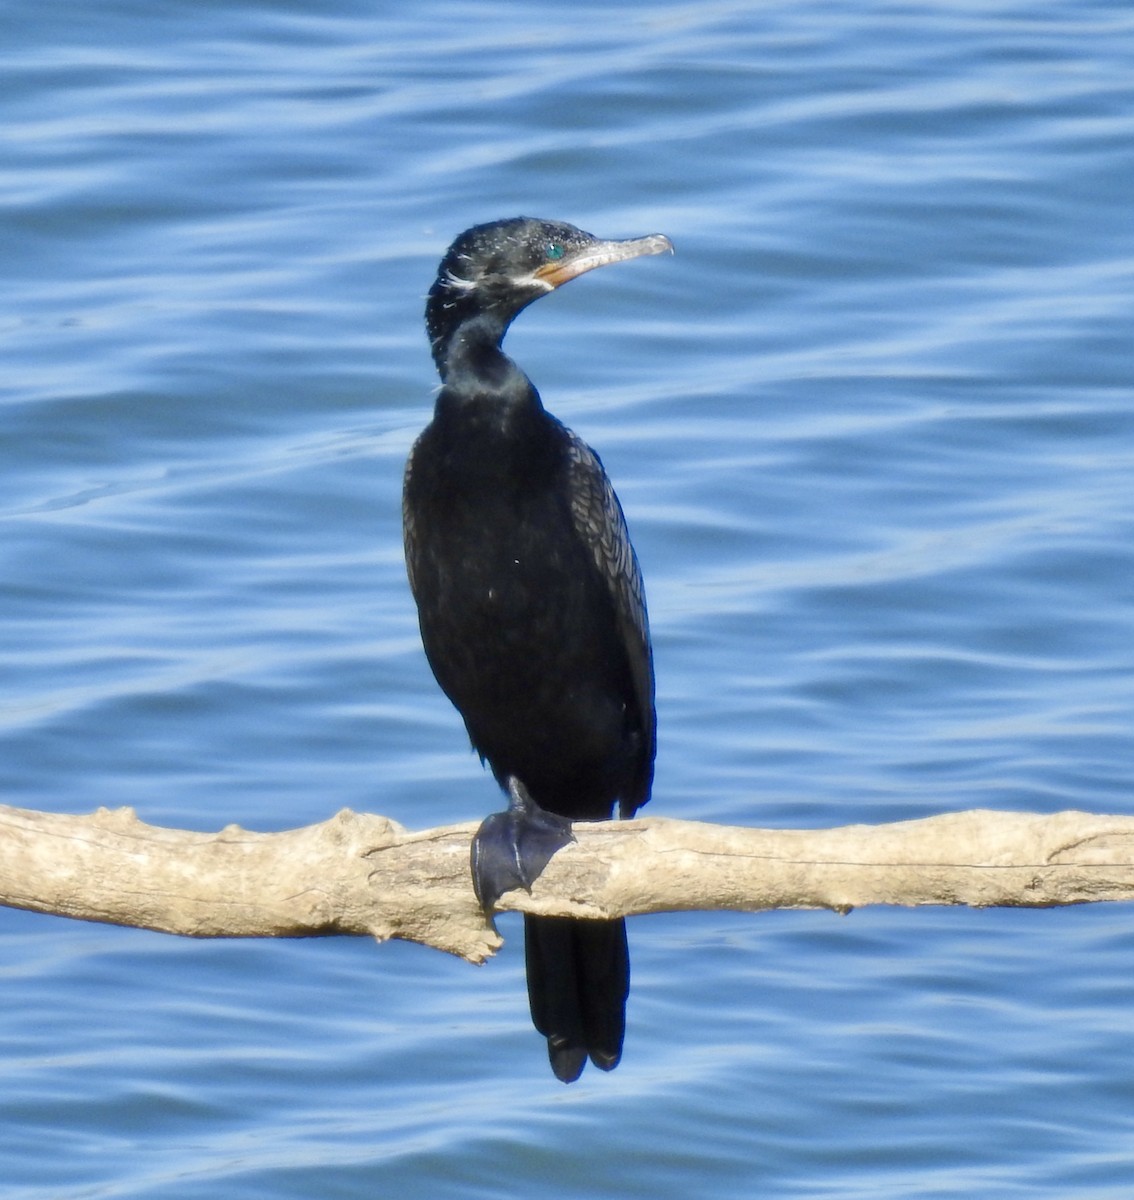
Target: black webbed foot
511,848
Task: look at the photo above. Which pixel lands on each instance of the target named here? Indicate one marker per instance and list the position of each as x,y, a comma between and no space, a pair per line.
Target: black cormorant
532,610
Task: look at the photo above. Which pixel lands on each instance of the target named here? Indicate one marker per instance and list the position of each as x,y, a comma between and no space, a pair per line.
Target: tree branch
366,875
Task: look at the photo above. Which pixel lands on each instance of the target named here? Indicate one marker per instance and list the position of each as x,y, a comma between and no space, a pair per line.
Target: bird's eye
554,251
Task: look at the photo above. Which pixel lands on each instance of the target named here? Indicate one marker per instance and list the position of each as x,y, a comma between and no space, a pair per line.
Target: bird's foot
511,848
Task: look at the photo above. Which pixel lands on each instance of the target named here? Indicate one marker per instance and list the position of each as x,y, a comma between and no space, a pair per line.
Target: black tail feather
578,981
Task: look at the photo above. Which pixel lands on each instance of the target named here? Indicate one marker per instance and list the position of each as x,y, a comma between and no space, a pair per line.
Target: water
873,430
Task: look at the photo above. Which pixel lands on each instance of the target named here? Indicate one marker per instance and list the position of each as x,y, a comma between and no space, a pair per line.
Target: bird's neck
479,377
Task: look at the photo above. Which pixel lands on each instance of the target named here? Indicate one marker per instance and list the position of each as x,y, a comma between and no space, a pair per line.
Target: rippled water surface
874,433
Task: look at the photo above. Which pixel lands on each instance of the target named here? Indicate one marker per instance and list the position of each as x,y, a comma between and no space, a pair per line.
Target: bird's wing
599,521
409,528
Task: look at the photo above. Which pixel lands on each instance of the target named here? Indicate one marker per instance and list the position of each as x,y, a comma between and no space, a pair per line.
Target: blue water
873,428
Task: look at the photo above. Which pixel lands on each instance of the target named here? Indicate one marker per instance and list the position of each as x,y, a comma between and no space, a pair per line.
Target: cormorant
532,610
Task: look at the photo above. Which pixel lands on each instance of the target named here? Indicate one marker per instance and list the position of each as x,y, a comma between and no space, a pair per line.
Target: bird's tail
578,981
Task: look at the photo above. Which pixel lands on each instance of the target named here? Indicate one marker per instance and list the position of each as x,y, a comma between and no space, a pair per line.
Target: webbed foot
511,848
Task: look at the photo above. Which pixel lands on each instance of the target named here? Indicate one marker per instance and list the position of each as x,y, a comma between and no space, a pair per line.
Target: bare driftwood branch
366,875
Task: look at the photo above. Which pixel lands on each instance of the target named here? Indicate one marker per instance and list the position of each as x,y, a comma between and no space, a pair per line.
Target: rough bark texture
362,874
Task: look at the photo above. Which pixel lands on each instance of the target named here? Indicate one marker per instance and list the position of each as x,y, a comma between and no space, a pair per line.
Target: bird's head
497,269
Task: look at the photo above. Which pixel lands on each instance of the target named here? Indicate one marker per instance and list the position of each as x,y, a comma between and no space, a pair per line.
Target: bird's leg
511,848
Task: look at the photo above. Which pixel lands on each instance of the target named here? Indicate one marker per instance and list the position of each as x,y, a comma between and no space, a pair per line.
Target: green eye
554,251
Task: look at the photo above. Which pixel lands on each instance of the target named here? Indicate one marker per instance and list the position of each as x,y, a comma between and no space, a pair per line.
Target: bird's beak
599,254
